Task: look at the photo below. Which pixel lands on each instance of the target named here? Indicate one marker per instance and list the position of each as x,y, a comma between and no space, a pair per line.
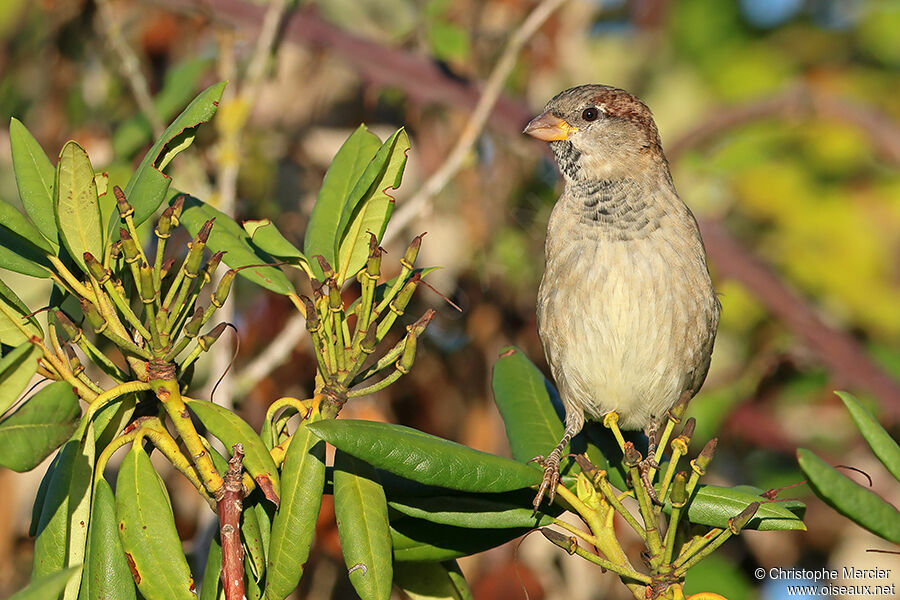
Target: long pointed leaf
38,427
16,370
360,508
147,530
348,165
303,478
12,315
855,502
48,586
106,574
77,206
882,444
426,458
12,219
34,176
371,211
148,185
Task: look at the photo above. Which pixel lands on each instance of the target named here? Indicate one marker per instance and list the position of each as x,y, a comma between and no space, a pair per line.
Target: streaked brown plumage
626,310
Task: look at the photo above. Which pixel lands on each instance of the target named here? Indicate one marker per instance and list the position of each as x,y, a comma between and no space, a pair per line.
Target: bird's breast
625,320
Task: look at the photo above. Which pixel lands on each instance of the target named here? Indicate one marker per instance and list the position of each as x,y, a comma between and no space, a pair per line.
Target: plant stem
230,506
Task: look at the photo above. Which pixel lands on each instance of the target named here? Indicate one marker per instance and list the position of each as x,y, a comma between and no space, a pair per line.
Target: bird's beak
549,128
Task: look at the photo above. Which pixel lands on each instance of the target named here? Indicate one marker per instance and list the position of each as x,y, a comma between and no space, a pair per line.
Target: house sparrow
626,309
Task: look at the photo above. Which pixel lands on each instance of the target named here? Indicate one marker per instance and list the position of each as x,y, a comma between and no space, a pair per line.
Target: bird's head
598,132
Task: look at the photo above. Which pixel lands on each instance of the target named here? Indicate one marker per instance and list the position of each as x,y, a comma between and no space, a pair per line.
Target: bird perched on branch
626,310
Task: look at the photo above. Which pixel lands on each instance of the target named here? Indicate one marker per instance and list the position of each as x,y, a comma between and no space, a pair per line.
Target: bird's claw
550,480
644,468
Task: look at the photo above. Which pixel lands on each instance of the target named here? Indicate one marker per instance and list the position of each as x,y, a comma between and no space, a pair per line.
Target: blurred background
780,119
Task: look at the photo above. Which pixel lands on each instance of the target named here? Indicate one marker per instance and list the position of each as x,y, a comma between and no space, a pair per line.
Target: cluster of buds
168,321
344,337
668,554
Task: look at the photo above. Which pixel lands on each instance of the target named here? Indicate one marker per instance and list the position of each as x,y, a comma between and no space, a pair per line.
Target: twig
130,67
414,207
230,506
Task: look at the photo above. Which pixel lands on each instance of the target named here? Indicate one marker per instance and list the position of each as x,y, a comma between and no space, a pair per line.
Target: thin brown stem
231,504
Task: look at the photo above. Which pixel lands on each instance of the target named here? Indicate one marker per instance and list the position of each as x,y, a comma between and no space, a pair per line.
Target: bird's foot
644,468
550,480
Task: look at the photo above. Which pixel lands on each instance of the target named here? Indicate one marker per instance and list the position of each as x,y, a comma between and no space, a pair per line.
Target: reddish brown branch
230,505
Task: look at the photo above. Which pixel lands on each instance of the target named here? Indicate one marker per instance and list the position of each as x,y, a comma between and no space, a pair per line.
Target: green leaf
882,444
713,506
12,219
38,427
348,165
148,186
521,393
303,476
35,177
12,312
19,254
864,507
254,540
62,526
231,430
426,458
178,89
48,586
265,236
77,206
373,208
431,581
227,236
211,587
481,512
360,508
16,370
147,530
106,574
533,427
415,540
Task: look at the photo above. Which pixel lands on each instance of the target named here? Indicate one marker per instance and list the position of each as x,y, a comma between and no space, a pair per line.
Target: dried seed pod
192,329
96,269
165,224
702,461
678,495
125,208
129,246
736,524
406,360
326,268
72,331
165,268
223,289
373,265
148,291
569,544
93,315
370,340
205,341
312,316
412,252
177,208
195,252
398,304
212,264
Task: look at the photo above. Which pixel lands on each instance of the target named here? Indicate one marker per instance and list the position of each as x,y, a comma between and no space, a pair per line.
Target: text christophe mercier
831,574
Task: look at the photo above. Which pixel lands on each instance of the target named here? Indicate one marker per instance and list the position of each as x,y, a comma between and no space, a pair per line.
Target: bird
626,310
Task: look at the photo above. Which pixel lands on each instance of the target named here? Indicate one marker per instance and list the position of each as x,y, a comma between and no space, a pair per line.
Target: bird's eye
590,114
